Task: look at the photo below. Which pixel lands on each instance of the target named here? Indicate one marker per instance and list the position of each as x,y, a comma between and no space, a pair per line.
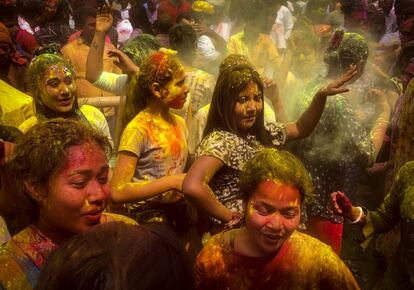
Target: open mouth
65,102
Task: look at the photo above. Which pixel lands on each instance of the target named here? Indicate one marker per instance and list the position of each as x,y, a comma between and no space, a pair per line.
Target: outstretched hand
104,19
340,204
336,86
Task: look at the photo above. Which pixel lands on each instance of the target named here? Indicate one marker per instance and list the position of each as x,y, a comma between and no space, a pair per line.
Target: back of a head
138,48
183,39
346,48
116,256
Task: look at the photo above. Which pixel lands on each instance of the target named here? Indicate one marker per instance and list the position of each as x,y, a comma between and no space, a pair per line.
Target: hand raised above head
104,19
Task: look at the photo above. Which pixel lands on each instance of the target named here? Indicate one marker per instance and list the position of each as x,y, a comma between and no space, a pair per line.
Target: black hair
81,13
183,39
116,256
230,83
164,24
42,151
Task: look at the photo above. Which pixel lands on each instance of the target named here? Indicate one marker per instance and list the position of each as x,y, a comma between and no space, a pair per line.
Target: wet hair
346,48
183,39
230,83
43,150
81,13
275,164
42,61
144,257
138,48
159,67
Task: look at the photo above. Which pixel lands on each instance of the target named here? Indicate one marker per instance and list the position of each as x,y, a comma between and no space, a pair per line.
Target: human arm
125,190
379,129
304,126
94,61
197,190
125,63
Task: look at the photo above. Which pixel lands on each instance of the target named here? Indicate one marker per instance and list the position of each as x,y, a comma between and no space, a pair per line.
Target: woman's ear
156,89
34,189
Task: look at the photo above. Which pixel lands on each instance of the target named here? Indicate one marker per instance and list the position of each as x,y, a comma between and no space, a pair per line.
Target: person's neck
86,40
54,233
156,107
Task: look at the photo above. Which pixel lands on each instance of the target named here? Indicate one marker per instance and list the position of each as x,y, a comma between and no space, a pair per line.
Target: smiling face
58,89
77,193
174,93
248,106
272,214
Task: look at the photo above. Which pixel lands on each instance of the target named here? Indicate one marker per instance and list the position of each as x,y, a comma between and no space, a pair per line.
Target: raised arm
304,126
125,190
94,62
197,190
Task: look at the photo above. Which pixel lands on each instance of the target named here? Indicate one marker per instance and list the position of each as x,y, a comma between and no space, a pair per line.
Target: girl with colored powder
61,170
269,253
236,130
54,92
153,150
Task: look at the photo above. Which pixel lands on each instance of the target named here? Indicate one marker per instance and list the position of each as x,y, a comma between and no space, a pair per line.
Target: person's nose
98,193
275,222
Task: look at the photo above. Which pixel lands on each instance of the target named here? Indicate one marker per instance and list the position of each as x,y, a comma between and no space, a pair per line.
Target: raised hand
336,86
104,19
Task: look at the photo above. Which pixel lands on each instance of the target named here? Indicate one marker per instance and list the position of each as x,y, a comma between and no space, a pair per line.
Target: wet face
248,106
58,89
77,194
272,214
174,94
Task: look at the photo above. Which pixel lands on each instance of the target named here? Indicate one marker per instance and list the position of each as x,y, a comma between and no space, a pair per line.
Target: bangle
359,216
235,222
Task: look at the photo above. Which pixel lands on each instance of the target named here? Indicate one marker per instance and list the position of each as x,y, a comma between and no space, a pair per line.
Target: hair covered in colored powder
346,48
38,67
43,150
138,48
279,165
159,68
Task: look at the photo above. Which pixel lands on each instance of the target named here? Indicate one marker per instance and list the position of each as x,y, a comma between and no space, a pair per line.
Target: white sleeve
114,83
206,48
97,120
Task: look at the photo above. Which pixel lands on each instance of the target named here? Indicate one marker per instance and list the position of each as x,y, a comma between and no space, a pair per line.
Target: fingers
104,11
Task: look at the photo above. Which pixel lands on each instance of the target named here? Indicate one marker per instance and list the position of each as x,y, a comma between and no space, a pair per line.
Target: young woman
61,168
54,92
235,131
269,253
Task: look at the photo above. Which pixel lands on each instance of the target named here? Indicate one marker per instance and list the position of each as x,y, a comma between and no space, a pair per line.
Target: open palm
104,19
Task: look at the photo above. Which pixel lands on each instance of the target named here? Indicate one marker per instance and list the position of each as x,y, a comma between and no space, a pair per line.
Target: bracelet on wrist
358,219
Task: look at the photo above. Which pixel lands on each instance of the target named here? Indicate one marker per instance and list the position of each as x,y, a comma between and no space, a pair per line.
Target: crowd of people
241,144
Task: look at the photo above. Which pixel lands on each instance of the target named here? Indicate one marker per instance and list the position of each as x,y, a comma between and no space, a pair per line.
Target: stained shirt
92,115
337,141
397,207
160,146
22,257
302,262
234,151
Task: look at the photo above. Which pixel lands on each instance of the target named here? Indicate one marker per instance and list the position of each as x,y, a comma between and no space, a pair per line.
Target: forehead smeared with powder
53,72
